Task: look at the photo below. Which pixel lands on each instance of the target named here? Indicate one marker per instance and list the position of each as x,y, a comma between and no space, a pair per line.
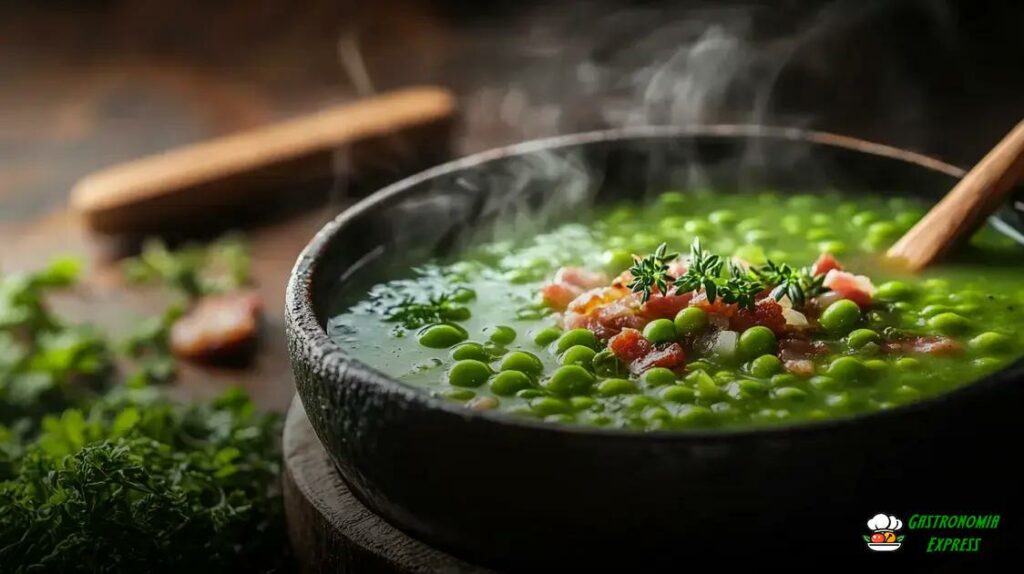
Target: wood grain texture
331,531
221,172
964,208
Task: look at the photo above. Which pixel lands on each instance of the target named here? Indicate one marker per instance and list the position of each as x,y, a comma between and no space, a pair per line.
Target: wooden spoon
966,206
163,190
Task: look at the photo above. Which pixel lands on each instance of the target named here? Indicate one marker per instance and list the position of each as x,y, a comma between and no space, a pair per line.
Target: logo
883,536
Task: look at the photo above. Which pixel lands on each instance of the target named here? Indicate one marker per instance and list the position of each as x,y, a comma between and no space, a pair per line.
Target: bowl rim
301,319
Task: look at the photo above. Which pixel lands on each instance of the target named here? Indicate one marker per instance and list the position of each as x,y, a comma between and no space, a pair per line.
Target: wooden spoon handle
133,196
964,208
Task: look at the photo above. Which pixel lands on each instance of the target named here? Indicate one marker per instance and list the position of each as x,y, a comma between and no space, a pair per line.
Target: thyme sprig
739,285
651,272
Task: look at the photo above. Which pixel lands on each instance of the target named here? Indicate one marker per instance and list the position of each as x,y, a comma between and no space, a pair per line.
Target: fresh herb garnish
740,287
651,272
192,269
798,284
413,313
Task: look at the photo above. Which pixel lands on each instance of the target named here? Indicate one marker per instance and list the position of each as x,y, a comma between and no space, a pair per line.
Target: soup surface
699,309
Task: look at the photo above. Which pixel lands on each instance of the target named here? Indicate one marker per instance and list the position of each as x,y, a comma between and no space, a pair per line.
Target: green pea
546,406
933,310
894,291
459,395
579,355
470,351
784,379
672,198
500,334
529,393
838,400
690,320
546,336
495,350
660,331
612,387
659,376
949,323
468,373
441,336
834,247
819,234
582,403
607,364
847,369
991,343
864,218
705,384
678,394
840,316
791,393
860,337
987,364
698,227
457,314
575,337
757,341
723,217
765,366
616,260
657,414
695,416
881,231
906,393
824,383
753,387
877,365
640,402
570,380
463,295
523,362
908,364
508,383
698,365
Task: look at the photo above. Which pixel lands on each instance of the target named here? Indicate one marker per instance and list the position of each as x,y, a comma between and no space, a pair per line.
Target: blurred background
85,84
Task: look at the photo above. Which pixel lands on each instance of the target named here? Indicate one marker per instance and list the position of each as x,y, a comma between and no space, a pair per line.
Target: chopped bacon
568,284
856,288
639,354
825,263
580,277
559,295
928,344
766,312
800,367
218,327
719,307
668,357
678,268
605,311
665,306
629,345
796,348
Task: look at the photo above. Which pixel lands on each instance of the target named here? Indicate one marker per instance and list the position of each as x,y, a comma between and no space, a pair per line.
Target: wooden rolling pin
162,191
966,206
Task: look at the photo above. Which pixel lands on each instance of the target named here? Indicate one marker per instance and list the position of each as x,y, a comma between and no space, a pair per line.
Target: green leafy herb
740,287
412,313
651,272
192,269
798,284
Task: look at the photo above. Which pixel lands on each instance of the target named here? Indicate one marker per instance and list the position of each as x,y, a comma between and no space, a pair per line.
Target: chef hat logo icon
883,537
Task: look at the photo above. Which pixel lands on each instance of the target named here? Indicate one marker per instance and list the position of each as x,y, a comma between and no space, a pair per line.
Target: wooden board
331,531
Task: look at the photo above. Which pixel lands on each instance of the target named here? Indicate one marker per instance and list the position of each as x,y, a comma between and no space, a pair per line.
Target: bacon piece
719,307
927,344
629,345
856,288
797,348
678,268
580,277
665,306
766,312
825,263
800,367
671,356
559,295
639,354
218,327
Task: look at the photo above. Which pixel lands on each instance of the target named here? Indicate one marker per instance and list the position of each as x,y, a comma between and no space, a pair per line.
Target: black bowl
514,493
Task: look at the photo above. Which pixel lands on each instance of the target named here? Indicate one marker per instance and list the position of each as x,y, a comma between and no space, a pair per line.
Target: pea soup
699,309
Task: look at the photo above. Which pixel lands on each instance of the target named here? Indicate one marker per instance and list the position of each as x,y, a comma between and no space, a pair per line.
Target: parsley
194,270
651,272
413,314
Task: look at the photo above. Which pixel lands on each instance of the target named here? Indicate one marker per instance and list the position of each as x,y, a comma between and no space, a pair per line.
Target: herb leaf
651,272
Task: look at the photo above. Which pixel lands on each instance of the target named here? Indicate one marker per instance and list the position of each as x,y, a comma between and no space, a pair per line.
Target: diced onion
725,344
794,317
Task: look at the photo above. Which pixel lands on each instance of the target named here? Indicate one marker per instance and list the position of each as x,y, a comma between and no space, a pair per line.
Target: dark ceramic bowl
514,493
